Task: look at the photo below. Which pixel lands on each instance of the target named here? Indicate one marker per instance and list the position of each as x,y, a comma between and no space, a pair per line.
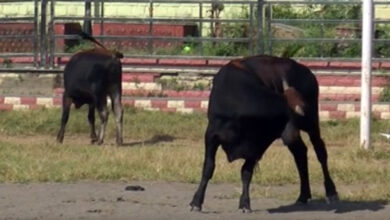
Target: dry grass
163,146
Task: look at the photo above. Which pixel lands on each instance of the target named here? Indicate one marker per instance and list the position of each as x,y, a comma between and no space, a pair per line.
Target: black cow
89,77
254,101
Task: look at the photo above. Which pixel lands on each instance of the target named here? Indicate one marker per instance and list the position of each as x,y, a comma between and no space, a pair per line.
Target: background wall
138,10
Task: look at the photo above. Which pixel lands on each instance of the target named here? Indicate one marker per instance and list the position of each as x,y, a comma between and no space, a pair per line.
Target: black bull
254,101
89,77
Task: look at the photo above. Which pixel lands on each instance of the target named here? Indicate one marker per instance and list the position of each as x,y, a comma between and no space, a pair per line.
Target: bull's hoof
246,210
332,199
93,141
245,206
59,139
302,200
196,208
119,142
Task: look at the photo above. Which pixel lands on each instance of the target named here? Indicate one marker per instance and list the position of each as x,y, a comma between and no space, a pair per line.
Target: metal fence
193,29
322,29
23,40
196,35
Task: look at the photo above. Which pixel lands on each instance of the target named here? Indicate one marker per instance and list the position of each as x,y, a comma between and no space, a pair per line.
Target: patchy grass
167,146
137,124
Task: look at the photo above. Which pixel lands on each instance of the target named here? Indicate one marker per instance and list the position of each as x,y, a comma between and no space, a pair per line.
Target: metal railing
214,29
154,44
328,28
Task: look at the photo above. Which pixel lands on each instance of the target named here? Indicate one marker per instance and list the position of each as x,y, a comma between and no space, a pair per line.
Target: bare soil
163,200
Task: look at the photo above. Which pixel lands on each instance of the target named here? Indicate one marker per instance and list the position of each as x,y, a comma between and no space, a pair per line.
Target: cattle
90,77
254,101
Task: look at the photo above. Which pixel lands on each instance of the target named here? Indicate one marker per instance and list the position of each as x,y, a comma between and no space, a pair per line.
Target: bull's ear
118,54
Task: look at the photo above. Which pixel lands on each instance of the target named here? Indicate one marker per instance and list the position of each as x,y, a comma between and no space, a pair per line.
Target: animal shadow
154,140
337,207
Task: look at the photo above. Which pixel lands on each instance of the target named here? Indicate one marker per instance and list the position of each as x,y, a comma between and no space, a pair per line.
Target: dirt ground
163,200
160,200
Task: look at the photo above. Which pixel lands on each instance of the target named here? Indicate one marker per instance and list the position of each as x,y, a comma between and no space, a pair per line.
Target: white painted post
365,104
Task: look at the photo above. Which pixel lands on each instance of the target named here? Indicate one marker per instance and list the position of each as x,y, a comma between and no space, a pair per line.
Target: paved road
161,200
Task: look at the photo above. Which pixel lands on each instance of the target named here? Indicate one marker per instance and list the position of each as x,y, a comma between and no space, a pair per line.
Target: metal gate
19,36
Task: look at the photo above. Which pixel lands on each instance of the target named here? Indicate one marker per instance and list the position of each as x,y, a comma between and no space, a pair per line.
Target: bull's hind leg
66,104
103,114
297,147
322,155
212,144
246,178
118,112
91,120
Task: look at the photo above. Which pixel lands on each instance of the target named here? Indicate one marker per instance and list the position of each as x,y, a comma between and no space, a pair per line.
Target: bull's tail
86,36
294,98
90,38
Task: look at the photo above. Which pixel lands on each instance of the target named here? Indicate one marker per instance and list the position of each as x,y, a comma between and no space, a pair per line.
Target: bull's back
271,70
88,75
237,92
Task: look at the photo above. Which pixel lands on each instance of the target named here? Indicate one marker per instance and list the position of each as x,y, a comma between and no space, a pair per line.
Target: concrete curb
328,110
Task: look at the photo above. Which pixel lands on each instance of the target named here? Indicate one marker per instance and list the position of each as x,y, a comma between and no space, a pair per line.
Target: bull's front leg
246,178
207,172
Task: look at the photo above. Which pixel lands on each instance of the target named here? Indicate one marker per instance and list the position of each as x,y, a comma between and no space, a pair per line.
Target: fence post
51,34
96,4
151,23
36,34
43,33
251,36
87,26
260,26
200,50
365,105
102,20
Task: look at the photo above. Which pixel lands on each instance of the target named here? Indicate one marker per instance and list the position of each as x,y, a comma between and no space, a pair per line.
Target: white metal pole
365,104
